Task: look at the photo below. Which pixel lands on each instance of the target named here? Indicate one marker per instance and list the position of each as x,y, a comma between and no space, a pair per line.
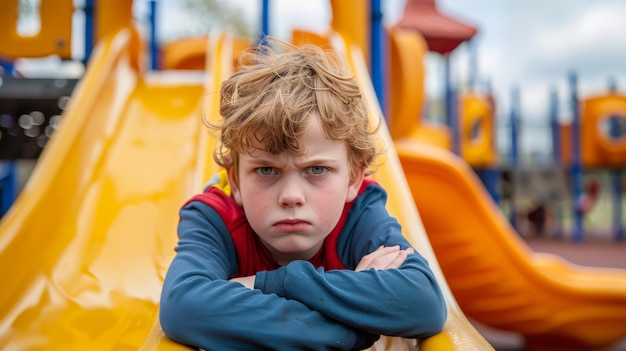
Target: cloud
590,44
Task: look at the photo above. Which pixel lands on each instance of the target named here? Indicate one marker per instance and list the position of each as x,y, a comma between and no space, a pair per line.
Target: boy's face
294,201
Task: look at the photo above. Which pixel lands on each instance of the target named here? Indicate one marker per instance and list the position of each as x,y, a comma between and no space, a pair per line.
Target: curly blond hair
277,87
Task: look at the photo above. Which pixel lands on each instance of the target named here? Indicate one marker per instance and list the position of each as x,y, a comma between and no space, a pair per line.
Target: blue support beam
8,185
154,40
576,167
378,53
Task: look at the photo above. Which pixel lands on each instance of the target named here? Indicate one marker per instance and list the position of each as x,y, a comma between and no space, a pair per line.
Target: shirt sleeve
201,308
404,302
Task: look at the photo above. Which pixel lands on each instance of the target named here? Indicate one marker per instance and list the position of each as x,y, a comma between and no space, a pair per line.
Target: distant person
537,217
291,247
588,199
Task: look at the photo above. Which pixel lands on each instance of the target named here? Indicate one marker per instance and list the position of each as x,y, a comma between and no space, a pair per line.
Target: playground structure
588,156
595,139
97,218
496,279
132,148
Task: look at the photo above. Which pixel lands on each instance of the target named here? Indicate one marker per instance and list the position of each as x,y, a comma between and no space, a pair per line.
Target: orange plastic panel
111,16
406,91
565,130
191,53
301,37
350,20
54,37
406,81
598,148
476,125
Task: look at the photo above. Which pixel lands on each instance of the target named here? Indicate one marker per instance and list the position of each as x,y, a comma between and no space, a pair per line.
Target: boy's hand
384,258
248,281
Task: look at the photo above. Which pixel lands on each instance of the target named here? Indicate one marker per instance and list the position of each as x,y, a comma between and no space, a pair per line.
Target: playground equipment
469,117
495,277
605,145
477,126
92,233
55,40
14,142
442,35
406,91
602,132
594,139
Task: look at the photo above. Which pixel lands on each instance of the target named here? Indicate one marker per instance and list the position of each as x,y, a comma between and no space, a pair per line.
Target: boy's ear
234,187
355,185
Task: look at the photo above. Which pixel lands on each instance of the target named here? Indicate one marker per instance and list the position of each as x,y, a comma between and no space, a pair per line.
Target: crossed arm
388,291
389,257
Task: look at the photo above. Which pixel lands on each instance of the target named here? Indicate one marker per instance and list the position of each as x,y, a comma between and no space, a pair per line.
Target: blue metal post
473,64
576,169
514,117
154,42
377,53
491,179
89,29
557,153
514,121
451,106
8,185
265,20
8,66
618,228
616,175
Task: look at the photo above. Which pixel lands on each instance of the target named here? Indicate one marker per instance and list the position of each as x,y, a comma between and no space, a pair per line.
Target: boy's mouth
291,225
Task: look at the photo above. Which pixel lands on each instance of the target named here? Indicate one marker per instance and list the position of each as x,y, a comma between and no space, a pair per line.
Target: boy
290,247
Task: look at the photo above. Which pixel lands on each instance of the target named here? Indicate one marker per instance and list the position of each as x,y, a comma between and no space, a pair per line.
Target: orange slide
495,277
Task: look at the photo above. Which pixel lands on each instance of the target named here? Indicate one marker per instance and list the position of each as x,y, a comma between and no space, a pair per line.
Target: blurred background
526,45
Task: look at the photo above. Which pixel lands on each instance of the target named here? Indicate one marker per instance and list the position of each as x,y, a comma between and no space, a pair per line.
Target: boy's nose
291,193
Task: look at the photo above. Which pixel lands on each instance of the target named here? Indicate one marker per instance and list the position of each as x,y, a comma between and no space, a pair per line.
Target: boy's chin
295,249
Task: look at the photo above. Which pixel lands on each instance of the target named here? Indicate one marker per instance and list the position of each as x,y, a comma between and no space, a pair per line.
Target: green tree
206,15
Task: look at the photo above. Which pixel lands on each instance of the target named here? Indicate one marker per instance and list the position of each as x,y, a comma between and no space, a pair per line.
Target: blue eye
317,170
265,171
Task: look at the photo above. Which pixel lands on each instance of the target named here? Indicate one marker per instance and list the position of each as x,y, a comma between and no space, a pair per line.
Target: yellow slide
85,247
495,277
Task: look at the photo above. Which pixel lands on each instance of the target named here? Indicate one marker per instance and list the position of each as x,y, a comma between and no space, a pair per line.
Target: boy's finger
384,258
376,259
392,259
398,260
383,250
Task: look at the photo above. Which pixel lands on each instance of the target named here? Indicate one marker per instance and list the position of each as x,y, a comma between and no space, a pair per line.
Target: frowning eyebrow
301,162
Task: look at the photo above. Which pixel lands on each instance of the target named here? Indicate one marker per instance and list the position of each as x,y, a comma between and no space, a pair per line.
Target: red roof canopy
442,33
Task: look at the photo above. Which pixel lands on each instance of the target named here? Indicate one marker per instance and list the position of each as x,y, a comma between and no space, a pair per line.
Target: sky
531,45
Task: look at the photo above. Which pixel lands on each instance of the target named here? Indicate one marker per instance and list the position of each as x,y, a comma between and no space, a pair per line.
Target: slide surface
494,275
85,247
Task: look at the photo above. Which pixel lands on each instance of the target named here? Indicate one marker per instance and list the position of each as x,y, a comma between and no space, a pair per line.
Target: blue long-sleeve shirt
297,306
